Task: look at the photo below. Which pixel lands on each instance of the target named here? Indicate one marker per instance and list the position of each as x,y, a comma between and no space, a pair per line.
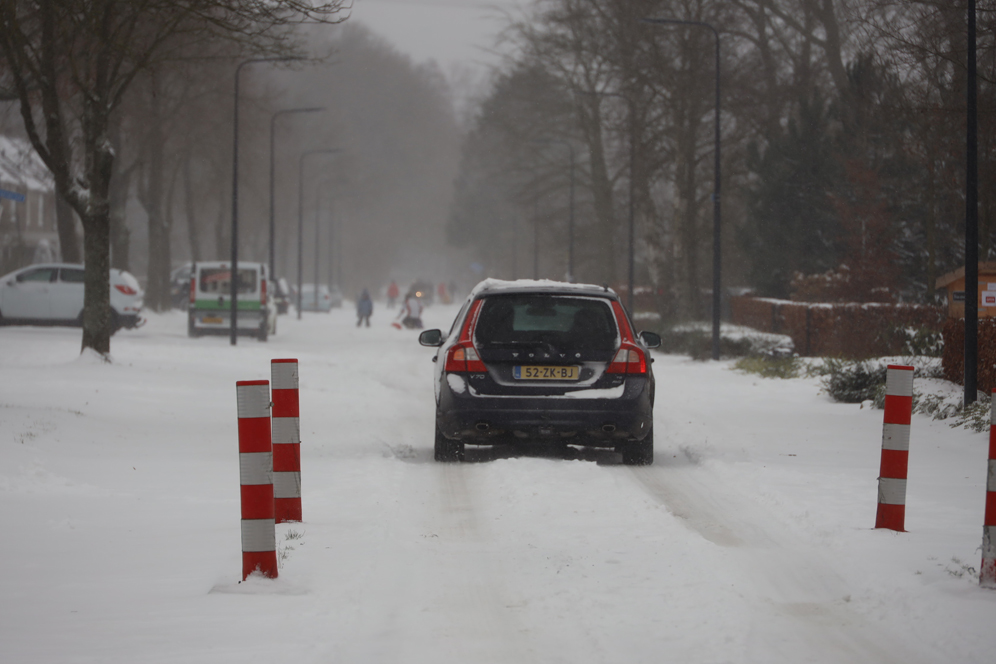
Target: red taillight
262,292
193,289
463,358
127,290
628,360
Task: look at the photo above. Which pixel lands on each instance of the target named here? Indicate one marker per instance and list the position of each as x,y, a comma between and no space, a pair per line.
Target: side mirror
431,338
651,339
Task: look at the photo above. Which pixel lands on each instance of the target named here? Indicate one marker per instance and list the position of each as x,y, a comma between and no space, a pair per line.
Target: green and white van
210,300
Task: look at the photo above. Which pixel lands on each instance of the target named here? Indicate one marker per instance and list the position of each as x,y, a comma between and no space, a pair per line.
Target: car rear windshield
574,322
217,280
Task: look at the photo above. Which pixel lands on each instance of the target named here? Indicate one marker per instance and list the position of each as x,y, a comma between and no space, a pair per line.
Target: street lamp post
716,244
234,290
570,218
300,222
273,232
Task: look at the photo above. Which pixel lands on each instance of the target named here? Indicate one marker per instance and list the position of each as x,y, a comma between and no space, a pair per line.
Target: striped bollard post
259,539
286,441
987,572
895,448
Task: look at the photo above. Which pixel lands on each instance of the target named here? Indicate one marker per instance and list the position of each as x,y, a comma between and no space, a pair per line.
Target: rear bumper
206,320
483,420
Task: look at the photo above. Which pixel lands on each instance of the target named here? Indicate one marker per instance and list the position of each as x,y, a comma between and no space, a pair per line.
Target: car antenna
606,287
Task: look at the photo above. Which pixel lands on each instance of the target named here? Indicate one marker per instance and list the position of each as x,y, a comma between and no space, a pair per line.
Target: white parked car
321,300
52,294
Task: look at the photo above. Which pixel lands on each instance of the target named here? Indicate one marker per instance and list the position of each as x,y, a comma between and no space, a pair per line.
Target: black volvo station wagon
541,362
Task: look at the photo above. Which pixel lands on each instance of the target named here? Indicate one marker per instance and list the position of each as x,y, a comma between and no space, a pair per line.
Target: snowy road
748,540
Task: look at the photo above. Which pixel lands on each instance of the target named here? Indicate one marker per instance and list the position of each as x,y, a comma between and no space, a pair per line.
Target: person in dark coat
364,308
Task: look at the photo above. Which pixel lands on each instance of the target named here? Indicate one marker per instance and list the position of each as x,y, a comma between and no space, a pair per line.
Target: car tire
639,452
264,330
115,322
192,331
446,450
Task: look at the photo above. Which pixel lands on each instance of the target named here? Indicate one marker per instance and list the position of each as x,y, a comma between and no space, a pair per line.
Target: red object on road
259,540
286,441
987,572
895,448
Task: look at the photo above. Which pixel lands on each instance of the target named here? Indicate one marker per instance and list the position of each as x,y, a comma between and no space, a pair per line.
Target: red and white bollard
895,448
259,539
286,441
987,572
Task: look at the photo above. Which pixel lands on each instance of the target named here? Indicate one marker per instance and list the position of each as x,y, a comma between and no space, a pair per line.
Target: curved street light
234,290
716,225
273,232
300,221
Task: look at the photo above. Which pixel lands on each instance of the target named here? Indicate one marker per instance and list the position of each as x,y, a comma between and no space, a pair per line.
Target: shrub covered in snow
695,339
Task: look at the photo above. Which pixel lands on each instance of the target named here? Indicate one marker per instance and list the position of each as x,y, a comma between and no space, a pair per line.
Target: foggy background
455,121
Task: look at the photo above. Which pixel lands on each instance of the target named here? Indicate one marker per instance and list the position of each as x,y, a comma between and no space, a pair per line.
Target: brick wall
850,330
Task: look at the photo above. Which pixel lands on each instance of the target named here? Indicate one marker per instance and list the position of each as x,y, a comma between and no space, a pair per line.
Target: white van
210,300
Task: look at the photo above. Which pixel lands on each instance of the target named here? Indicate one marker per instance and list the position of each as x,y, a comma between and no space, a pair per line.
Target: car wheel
264,329
447,450
115,322
191,328
639,452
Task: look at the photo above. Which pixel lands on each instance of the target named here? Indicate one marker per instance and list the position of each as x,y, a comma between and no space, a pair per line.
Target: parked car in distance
179,286
282,295
423,291
529,363
52,294
210,302
322,299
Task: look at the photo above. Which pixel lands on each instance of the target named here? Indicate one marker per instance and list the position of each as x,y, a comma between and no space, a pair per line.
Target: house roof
22,168
945,280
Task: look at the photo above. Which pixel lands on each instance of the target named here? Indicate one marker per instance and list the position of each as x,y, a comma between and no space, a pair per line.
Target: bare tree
72,61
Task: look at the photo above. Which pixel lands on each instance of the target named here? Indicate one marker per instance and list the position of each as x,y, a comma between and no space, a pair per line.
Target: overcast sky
451,32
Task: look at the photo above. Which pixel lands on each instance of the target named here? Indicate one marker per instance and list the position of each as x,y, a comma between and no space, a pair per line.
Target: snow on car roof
492,285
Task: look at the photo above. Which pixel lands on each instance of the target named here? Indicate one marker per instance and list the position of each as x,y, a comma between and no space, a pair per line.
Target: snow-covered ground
749,539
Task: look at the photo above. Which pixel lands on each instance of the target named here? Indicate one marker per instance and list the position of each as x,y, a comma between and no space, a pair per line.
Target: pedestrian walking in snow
392,295
364,308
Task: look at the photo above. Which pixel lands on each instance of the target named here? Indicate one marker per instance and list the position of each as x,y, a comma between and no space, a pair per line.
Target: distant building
27,229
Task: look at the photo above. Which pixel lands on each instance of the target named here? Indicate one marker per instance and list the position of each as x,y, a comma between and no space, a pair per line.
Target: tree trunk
96,293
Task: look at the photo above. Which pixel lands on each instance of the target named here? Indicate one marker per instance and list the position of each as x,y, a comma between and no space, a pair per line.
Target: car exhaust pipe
608,428
482,426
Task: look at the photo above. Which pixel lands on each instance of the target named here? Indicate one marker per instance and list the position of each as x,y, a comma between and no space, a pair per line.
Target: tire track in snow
798,601
444,604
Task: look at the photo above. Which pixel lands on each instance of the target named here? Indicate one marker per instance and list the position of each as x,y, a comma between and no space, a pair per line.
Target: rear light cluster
262,292
462,357
127,290
193,289
630,359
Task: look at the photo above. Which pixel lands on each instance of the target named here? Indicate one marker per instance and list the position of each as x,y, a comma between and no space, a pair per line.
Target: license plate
208,320
545,373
